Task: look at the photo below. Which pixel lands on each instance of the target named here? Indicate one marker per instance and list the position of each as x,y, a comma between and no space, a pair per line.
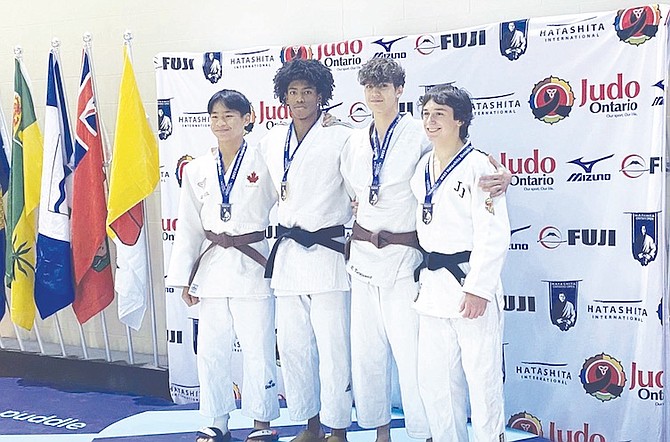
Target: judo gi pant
252,319
314,350
458,357
384,326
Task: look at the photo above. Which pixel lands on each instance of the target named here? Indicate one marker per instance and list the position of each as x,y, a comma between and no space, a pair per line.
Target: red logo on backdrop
289,53
551,100
637,25
603,377
525,421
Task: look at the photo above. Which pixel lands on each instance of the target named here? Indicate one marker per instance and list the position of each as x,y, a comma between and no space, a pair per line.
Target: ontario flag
22,201
94,286
134,175
54,287
5,153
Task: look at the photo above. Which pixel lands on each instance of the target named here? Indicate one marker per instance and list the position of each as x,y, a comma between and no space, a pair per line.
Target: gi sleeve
189,235
491,237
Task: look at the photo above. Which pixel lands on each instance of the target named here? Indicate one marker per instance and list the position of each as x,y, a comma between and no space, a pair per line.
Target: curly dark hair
311,71
381,70
233,100
457,99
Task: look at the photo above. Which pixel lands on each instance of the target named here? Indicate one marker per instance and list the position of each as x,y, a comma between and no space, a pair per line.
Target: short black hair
457,99
381,70
313,72
233,100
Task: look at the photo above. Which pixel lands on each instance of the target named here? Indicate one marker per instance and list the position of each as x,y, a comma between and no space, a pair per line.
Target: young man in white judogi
466,233
378,162
218,258
309,279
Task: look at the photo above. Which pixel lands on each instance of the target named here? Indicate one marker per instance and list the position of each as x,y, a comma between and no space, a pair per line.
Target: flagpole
88,47
18,53
106,152
16,329
55,49
128,36
7,148
38,337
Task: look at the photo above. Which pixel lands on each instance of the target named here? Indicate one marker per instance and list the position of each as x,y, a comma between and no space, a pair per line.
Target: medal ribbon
288,159
226,188
430,190
379,153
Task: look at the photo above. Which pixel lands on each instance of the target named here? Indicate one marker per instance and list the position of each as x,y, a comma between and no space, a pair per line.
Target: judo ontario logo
603,377
513,39
551,100
525,421
179,171
289,53
637,25
563,303
211,66
164,118
644,232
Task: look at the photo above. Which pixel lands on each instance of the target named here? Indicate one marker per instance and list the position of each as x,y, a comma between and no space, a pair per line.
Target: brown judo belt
240,242
382,238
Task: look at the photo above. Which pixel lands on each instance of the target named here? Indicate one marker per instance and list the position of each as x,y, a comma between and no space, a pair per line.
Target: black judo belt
324,237
382,238
240,242
434,261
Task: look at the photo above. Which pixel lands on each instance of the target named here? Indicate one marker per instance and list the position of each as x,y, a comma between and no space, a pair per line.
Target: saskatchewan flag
22,201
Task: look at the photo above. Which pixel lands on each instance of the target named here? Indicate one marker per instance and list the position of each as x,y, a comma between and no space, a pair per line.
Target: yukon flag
94,287
133,176
54,288
22,201
4,185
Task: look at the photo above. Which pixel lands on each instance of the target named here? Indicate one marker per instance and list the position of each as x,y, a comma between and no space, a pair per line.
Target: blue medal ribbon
288,158
226,188
379,155
427,212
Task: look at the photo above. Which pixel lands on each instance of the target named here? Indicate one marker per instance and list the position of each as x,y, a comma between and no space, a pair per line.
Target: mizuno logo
519,229
386,44
588,165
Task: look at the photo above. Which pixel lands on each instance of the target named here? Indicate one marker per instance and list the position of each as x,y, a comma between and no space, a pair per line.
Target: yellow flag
134,171
22,202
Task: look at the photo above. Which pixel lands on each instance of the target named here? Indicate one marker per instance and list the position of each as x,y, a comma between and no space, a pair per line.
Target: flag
22,201
94,287
4,185
133,176
54,287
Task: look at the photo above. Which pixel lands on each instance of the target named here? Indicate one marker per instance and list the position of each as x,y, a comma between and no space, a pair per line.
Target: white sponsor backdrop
574,107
